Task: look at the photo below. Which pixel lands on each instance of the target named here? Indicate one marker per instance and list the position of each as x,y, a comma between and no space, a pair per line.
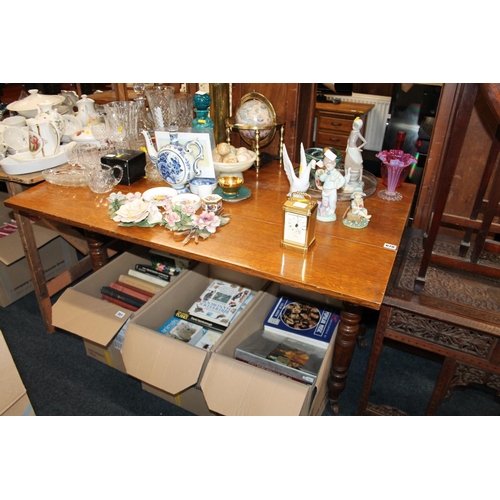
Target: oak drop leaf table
350,267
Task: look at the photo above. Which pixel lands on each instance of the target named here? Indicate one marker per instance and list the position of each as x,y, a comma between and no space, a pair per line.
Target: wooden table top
347,264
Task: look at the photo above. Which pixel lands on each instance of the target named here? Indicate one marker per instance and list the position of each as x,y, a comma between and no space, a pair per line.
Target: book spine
147,277
139,283
297,336
119,303
271,366
164,268
124,297
152,272
199,321
130,290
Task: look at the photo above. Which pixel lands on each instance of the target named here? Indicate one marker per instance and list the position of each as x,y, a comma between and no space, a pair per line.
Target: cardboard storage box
191,399
15,279
232,387
166,363
14,400
82,311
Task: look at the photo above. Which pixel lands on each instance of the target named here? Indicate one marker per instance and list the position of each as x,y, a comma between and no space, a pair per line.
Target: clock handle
300,195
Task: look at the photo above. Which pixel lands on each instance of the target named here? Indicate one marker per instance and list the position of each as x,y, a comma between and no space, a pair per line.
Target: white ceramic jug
48,134
86,110
48,111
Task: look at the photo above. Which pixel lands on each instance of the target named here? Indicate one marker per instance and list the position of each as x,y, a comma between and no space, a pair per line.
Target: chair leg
442,384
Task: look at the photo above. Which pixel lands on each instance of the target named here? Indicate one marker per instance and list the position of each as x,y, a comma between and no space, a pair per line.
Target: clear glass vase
160,105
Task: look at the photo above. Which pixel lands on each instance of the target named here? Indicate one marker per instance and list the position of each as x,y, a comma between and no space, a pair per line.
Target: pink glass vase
395,167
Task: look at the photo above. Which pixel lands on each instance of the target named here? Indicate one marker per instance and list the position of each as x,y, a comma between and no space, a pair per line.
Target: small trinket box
132,162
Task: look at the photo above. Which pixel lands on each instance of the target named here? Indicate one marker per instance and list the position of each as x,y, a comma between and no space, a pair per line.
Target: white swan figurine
300,183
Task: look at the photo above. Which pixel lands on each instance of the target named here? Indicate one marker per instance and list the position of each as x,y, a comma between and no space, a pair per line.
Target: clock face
295,230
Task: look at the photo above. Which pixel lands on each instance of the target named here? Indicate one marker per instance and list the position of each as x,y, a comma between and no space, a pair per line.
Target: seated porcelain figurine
356,214
354,159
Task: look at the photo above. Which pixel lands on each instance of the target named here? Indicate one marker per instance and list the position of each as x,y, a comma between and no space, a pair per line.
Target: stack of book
292,341
134,289
207,319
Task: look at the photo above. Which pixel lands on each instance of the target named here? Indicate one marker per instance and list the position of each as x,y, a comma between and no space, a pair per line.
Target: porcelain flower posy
131,210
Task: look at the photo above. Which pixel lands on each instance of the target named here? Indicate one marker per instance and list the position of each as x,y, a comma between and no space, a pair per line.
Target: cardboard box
82,311
166,363
191,399
14,400
56,255
232,387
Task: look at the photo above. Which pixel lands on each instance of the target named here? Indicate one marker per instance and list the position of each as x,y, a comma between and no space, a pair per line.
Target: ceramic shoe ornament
300,183
176,163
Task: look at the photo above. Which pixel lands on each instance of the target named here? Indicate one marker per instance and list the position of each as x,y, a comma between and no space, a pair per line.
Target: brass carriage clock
299,222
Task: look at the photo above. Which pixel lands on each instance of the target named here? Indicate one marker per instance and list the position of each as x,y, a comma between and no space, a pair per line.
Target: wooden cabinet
334,122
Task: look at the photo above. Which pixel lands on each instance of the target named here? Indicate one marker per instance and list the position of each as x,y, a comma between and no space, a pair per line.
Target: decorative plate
159,195
72,125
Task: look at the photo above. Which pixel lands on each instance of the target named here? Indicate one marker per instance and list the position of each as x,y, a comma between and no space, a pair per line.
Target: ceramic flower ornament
131,210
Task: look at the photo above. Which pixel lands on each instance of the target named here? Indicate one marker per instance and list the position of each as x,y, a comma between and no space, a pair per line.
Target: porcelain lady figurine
354,159
331,180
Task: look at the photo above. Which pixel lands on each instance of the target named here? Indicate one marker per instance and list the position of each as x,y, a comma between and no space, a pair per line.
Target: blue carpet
62,380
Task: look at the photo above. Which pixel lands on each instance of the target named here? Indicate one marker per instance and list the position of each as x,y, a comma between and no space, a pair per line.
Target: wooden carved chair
482,222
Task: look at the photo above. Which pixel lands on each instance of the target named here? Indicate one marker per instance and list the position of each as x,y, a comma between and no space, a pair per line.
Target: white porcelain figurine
298,183
330,180
354,159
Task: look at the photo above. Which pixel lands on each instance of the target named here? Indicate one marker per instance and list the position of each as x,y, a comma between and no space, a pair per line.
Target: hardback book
220,302
147,277
122,296
181,329
119,303
292,358
131,290
151,271
139,283
158,257
302,321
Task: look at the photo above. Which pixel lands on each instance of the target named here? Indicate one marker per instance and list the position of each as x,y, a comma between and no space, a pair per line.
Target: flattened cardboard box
15,279
82,311
232,387
14,400
164,362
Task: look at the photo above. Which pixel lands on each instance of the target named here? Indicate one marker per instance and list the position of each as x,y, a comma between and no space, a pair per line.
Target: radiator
376,119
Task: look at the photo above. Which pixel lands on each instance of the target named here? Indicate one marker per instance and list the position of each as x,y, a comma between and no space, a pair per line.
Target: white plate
72,125
13,167
158,195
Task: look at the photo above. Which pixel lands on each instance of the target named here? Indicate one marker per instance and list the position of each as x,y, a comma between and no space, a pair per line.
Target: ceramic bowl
16,138
230,184
317,154
187,199
234,168
202,181
28,107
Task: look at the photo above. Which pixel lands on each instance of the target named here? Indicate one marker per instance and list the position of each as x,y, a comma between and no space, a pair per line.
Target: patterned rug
447,284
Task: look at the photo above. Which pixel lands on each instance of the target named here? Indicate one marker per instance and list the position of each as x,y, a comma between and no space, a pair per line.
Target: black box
132,162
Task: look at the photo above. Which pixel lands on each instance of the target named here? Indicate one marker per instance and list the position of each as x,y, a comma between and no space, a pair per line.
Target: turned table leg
345,342
97,250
